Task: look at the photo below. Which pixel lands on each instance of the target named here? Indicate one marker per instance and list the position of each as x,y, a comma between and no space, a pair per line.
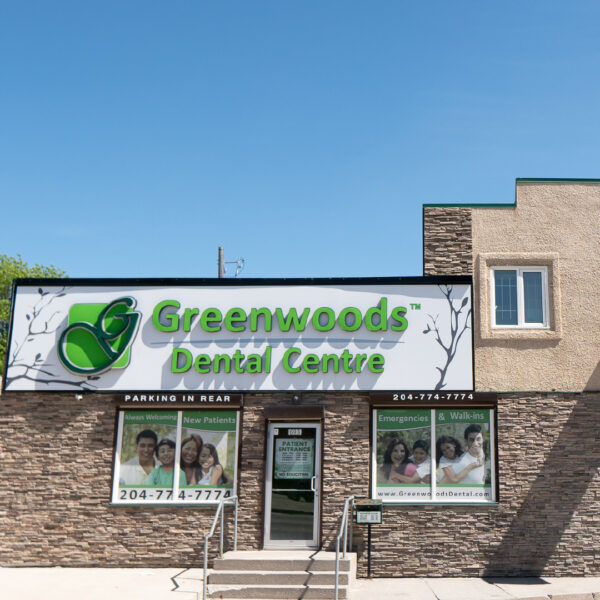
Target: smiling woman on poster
448,453
396,467
191,447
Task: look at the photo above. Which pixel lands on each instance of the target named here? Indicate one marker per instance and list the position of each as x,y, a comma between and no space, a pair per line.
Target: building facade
294,449
546,374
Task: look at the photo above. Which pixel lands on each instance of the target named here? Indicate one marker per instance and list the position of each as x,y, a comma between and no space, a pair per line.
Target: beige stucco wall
556,224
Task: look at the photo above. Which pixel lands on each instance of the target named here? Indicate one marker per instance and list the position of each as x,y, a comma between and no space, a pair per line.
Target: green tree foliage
12,267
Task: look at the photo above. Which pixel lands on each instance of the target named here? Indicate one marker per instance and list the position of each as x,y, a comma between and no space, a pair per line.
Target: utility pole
221,262
239,263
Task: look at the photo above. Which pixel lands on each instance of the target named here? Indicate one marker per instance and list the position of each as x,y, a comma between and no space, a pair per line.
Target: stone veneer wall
447,243
56,461
548,518
56,457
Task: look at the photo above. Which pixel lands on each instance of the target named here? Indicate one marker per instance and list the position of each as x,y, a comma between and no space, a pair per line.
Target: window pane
148,443
409,452
532,289
403,453
464,455
506,297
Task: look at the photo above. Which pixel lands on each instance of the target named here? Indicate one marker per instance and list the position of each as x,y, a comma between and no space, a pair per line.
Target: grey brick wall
56,458
548,518
56,463
448,241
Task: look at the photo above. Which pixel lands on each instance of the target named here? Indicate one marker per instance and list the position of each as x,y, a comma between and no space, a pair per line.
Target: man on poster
136,470
471,464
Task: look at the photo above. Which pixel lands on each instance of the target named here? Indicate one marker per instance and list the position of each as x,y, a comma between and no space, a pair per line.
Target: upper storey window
519,297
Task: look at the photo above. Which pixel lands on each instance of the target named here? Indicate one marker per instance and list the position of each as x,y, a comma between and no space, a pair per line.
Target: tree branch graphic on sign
459,323
41,321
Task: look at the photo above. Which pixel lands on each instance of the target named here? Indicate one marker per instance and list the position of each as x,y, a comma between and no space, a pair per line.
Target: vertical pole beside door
293,485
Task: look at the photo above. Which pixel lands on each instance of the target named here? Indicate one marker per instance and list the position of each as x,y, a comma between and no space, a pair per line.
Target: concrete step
278,565
276,592
280,575
222,577
280,561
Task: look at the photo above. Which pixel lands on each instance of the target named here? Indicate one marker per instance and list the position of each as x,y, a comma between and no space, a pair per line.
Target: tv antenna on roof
239,264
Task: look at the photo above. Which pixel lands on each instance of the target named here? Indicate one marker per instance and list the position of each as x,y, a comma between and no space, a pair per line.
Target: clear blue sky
136,137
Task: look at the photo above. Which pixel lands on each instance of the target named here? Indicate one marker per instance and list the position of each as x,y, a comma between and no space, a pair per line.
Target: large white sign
250,337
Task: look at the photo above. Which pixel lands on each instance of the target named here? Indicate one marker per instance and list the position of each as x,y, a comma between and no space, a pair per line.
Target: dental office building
130,408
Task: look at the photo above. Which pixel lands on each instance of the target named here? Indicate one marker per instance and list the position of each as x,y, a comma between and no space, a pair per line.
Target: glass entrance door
293,485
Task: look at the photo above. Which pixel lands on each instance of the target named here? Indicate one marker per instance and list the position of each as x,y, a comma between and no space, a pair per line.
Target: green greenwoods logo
99,336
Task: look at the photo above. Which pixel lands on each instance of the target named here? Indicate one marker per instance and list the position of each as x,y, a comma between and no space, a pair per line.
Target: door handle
313,481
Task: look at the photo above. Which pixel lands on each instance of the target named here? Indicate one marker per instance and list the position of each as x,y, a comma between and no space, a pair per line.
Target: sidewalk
461,588
186,584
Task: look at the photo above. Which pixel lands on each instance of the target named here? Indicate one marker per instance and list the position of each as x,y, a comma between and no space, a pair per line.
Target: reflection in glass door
293,483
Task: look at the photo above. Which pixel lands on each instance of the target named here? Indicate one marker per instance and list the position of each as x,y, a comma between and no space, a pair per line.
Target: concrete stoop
273,575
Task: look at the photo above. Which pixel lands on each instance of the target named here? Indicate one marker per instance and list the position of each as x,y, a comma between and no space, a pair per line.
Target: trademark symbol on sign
415,306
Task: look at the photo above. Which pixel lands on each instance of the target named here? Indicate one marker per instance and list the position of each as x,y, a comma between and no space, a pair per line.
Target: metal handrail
219,512
349,502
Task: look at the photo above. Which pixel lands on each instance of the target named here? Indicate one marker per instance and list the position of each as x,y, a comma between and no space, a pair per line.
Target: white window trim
521,324
434,499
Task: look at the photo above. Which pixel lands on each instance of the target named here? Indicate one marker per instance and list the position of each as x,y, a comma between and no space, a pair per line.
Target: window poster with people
208,453
403,440
463,452
434,455
183,457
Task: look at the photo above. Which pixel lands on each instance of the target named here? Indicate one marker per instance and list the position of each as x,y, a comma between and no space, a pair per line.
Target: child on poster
212,471
162,476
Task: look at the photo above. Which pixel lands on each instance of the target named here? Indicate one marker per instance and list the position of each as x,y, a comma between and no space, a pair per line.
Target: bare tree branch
33,330
456,330
84,385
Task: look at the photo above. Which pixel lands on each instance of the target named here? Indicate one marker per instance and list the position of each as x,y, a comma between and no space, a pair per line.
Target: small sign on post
369,512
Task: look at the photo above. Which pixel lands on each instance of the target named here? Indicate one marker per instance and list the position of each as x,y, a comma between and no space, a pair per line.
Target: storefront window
180,457
434,455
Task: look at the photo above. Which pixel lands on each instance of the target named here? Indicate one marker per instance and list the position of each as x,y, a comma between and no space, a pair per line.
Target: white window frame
409,499
139,495
521,324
